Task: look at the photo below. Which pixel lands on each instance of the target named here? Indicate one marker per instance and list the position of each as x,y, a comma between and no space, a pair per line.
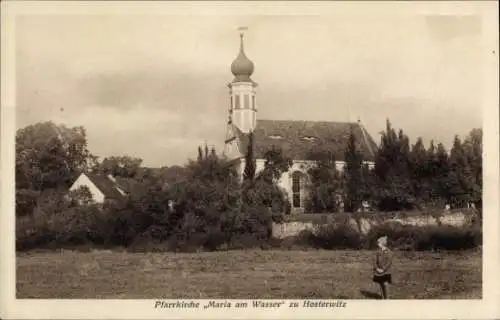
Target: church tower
243,108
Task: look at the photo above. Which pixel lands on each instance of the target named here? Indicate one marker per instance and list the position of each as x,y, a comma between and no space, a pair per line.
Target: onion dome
242,67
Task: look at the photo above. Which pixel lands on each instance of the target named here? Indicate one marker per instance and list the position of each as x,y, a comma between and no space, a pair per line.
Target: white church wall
286,183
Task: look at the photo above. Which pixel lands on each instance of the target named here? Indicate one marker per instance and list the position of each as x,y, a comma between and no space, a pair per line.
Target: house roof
298,139
126,184
106,186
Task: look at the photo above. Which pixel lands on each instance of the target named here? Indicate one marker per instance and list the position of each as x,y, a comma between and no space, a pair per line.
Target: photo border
12,308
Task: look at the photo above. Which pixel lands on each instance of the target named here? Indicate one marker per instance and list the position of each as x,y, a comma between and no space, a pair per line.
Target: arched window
254,107
296,189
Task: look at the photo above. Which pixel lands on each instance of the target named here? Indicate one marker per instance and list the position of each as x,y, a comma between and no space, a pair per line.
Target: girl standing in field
381,268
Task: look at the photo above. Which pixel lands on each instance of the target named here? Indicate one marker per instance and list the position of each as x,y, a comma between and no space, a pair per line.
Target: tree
436,172
26,201
392,171
50,156
81,196
120,166
207,203
200,153
173,174
276,163
353,177
263,193
324,182
250,164
473,145
419,172
461,178
439,171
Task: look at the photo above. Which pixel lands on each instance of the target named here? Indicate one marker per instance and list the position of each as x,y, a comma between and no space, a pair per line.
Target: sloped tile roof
106,186
126,184
298,139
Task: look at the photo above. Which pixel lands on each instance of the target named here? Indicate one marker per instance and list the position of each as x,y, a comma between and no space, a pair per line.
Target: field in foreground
244,275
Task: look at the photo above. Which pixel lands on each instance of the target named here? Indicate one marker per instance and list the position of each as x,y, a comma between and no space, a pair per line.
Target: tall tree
473,145
266,190
439,170
207,201
325,186
419,167
435,173
250,164
392,171
200,153
353,176
50,156
206,150
461,177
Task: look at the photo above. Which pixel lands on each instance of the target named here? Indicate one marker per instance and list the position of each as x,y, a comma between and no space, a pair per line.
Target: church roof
298,139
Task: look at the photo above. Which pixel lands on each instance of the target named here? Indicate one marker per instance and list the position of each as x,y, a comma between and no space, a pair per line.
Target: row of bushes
400,237
88,226
145,222
64,225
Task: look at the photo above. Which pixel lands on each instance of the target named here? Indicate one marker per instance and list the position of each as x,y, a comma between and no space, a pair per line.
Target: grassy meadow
273,274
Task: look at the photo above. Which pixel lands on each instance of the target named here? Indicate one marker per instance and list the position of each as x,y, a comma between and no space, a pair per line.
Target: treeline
205,204
405,176
200,205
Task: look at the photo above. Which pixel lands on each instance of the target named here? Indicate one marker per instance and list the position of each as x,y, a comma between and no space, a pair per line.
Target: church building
297,139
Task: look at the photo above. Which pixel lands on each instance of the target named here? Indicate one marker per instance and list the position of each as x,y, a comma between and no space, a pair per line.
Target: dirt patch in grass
244,275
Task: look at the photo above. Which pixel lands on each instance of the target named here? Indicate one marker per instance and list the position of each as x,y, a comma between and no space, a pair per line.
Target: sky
154,86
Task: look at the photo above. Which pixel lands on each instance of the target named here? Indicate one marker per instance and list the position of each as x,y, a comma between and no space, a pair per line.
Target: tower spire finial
242,30
242,33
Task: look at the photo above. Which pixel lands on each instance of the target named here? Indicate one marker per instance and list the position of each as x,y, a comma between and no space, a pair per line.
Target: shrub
420,238
303,240
399,236
33,232
58,221
246,241
26,201
78,225
337,236
41,227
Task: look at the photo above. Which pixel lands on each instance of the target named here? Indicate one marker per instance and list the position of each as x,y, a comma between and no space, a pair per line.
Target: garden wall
363,222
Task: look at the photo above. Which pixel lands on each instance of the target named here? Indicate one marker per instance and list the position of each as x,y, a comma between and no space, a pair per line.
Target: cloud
157,136
155,86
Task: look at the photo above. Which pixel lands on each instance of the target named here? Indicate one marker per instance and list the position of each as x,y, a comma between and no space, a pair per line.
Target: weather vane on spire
242,30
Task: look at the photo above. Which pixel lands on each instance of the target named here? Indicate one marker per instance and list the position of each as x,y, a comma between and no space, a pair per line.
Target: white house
102,187
297,139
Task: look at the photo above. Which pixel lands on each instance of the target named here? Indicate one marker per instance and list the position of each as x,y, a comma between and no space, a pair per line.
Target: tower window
231,103
246,101
254,107
237,102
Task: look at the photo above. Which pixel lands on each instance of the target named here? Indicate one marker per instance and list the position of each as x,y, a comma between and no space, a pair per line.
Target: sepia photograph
259,156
